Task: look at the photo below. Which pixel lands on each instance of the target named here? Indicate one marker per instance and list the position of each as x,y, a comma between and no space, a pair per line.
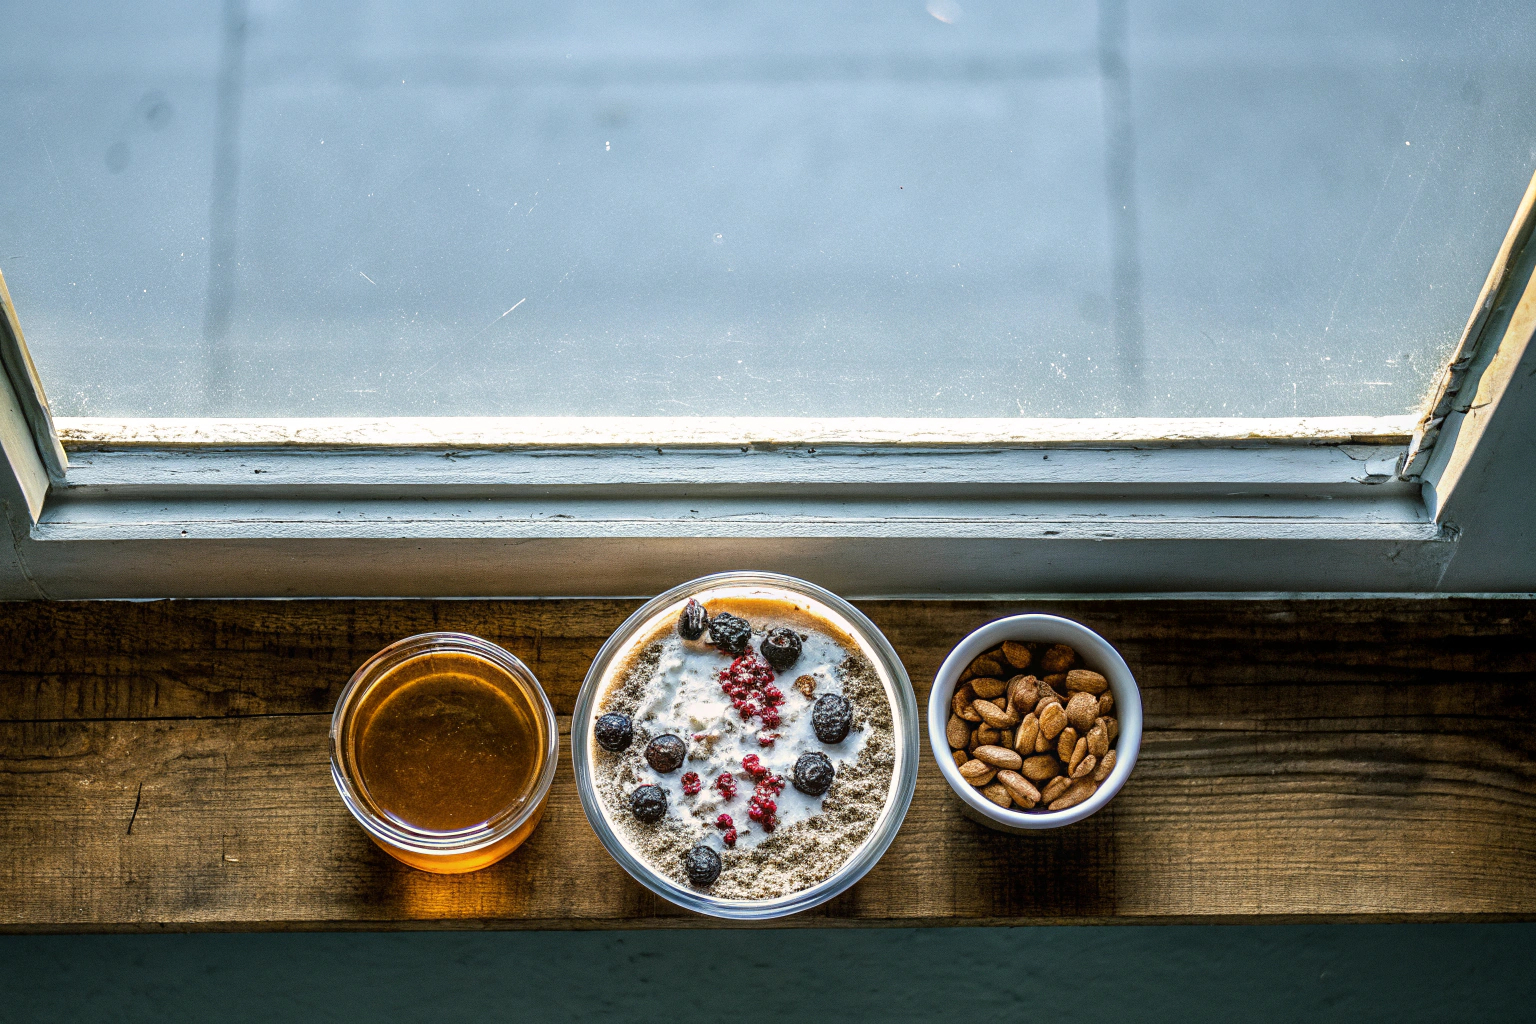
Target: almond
966,675
1082,709
1053,789
1106,703
1057,658
1111,726
1005,739
1065,743
986,734
1074,794
1016,654
1047,696
1040,767
998,757
994,715
977,773
1085,681
1052,721
986,665
1023,692
957,732
1106,765
1057,681
998,794
961,704
1084,767
960,757
1042,744
989,688
1020,789
1079,751
1098,741
1025,735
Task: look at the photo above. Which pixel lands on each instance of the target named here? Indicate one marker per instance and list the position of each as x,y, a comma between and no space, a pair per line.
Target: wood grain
163,765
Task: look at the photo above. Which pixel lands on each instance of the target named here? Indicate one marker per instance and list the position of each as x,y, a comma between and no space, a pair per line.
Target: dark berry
831,717
729,633
614,732
702,865
649,804
781,647
666,753
693,620
813,773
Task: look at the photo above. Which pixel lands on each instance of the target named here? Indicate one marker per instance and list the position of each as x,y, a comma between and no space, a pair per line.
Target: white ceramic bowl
1097,654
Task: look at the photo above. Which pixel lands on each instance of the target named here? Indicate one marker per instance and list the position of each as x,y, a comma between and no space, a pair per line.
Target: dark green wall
1354,973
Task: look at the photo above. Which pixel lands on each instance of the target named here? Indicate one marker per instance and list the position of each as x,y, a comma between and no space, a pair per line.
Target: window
904,240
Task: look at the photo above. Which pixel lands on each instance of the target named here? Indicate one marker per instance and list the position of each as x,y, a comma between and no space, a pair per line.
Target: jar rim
399,834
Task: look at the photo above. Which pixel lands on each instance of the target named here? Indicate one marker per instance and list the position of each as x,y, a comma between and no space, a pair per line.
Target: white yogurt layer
683,698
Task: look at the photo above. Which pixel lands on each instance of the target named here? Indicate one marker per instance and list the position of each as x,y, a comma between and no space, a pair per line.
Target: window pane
958,208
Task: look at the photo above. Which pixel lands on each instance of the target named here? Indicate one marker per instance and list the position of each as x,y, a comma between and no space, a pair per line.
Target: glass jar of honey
443,747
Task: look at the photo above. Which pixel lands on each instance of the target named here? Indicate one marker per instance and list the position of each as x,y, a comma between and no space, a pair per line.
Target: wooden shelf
163,766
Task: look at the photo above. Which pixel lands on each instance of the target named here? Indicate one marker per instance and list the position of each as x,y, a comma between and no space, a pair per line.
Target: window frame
567,507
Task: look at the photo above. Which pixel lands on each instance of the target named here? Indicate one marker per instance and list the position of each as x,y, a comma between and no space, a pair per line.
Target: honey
445,750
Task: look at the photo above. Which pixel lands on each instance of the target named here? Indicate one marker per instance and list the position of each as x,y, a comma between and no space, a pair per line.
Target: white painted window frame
564,507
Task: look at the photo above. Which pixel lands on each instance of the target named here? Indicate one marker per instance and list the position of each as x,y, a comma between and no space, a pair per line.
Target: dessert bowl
691,710
1096,654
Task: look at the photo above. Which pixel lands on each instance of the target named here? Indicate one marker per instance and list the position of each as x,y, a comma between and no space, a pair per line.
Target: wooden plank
1329,760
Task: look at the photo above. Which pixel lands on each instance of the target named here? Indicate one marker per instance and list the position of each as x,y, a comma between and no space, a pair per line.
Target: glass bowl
408,661
664,609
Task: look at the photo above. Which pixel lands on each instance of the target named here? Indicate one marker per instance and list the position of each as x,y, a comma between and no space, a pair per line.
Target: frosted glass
1180,208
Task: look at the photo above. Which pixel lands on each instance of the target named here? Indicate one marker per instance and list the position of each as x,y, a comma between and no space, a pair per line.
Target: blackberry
649,803
831,717
614,732
702,865
666,753
693,620
729,633
781,647
813,773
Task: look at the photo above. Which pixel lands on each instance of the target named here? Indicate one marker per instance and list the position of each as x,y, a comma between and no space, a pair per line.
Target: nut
960,757
1016,654
1057,682
977,773
1074,794
1025,735
1019,788
1042,744
957,732
1048,696
1023,692
1106,765
986,734
998,794
998,757
1085,681
1040,767
985,665
989,688
1053,789
1052,721
961,704
994,715
806,685
1079,751
1082,709
1058,658
1065,743
1111,726
1106,703
1084,767
1098,741
1005,739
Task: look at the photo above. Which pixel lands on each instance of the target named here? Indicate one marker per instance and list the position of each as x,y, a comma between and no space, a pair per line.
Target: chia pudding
744,747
